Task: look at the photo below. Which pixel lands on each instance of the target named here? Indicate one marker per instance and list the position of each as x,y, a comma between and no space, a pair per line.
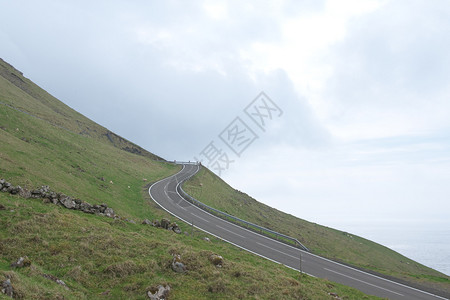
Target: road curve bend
164,193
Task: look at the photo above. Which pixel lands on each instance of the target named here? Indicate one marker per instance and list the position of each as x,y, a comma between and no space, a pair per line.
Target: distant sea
428,245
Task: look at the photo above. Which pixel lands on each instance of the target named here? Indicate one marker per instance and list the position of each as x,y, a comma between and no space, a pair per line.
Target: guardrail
196,163
253,227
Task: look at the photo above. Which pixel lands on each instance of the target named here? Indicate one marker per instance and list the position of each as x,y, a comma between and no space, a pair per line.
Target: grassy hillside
21,93
99,257
328,242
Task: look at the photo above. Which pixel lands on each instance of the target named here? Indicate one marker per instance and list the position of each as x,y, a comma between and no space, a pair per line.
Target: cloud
390,74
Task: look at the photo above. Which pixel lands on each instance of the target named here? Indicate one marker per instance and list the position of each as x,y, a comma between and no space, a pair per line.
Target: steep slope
337,245
21,93
44,142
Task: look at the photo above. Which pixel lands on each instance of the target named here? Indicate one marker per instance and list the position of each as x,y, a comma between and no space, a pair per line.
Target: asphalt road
164,193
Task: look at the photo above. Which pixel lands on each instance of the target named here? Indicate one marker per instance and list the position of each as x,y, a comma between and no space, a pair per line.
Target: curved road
164,193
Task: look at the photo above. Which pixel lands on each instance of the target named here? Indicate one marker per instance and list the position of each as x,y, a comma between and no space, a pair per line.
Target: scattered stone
144,179
5,186
111,182
2,207
177,230
216,260
7,288
21,262
206,239
87,208
67,202
159,293
49,196
102,178
14,190
130,221
156,223
177,265
146,222
55,279
335,296
24,193
165,223
109,212
174,227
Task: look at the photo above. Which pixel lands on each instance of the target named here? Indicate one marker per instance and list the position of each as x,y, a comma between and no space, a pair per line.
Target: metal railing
253,227
196,163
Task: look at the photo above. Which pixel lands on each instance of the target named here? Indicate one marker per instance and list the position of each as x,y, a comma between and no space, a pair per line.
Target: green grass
98,257
95,255
328,242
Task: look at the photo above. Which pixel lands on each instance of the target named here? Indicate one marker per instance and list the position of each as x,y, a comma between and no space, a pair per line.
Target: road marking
296,257
199,217
231,232
364,282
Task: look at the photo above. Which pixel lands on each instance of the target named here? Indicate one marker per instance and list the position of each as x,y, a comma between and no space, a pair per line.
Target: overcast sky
361,133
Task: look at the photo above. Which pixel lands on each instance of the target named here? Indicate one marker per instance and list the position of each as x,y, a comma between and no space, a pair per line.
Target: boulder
55,279
160,292
21,262
67,202
5,186
156,223
165,223
177,265
7,288
216,260
14,190
36,194
109,212
24,193
174,227
146,222
87,208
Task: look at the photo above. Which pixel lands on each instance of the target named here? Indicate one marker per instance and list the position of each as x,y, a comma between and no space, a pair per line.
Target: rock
14,190
216,260
67,202
177,265
7,288
174,227
36,194
2,207
55,279
206,239
21,262
159,293
165,223
146,222
86,208
156,223
109,212
5,186
131,221
335,296
24,193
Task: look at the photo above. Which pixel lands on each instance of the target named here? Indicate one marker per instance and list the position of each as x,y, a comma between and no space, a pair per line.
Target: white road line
364,282
198,217
296,257
231,231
